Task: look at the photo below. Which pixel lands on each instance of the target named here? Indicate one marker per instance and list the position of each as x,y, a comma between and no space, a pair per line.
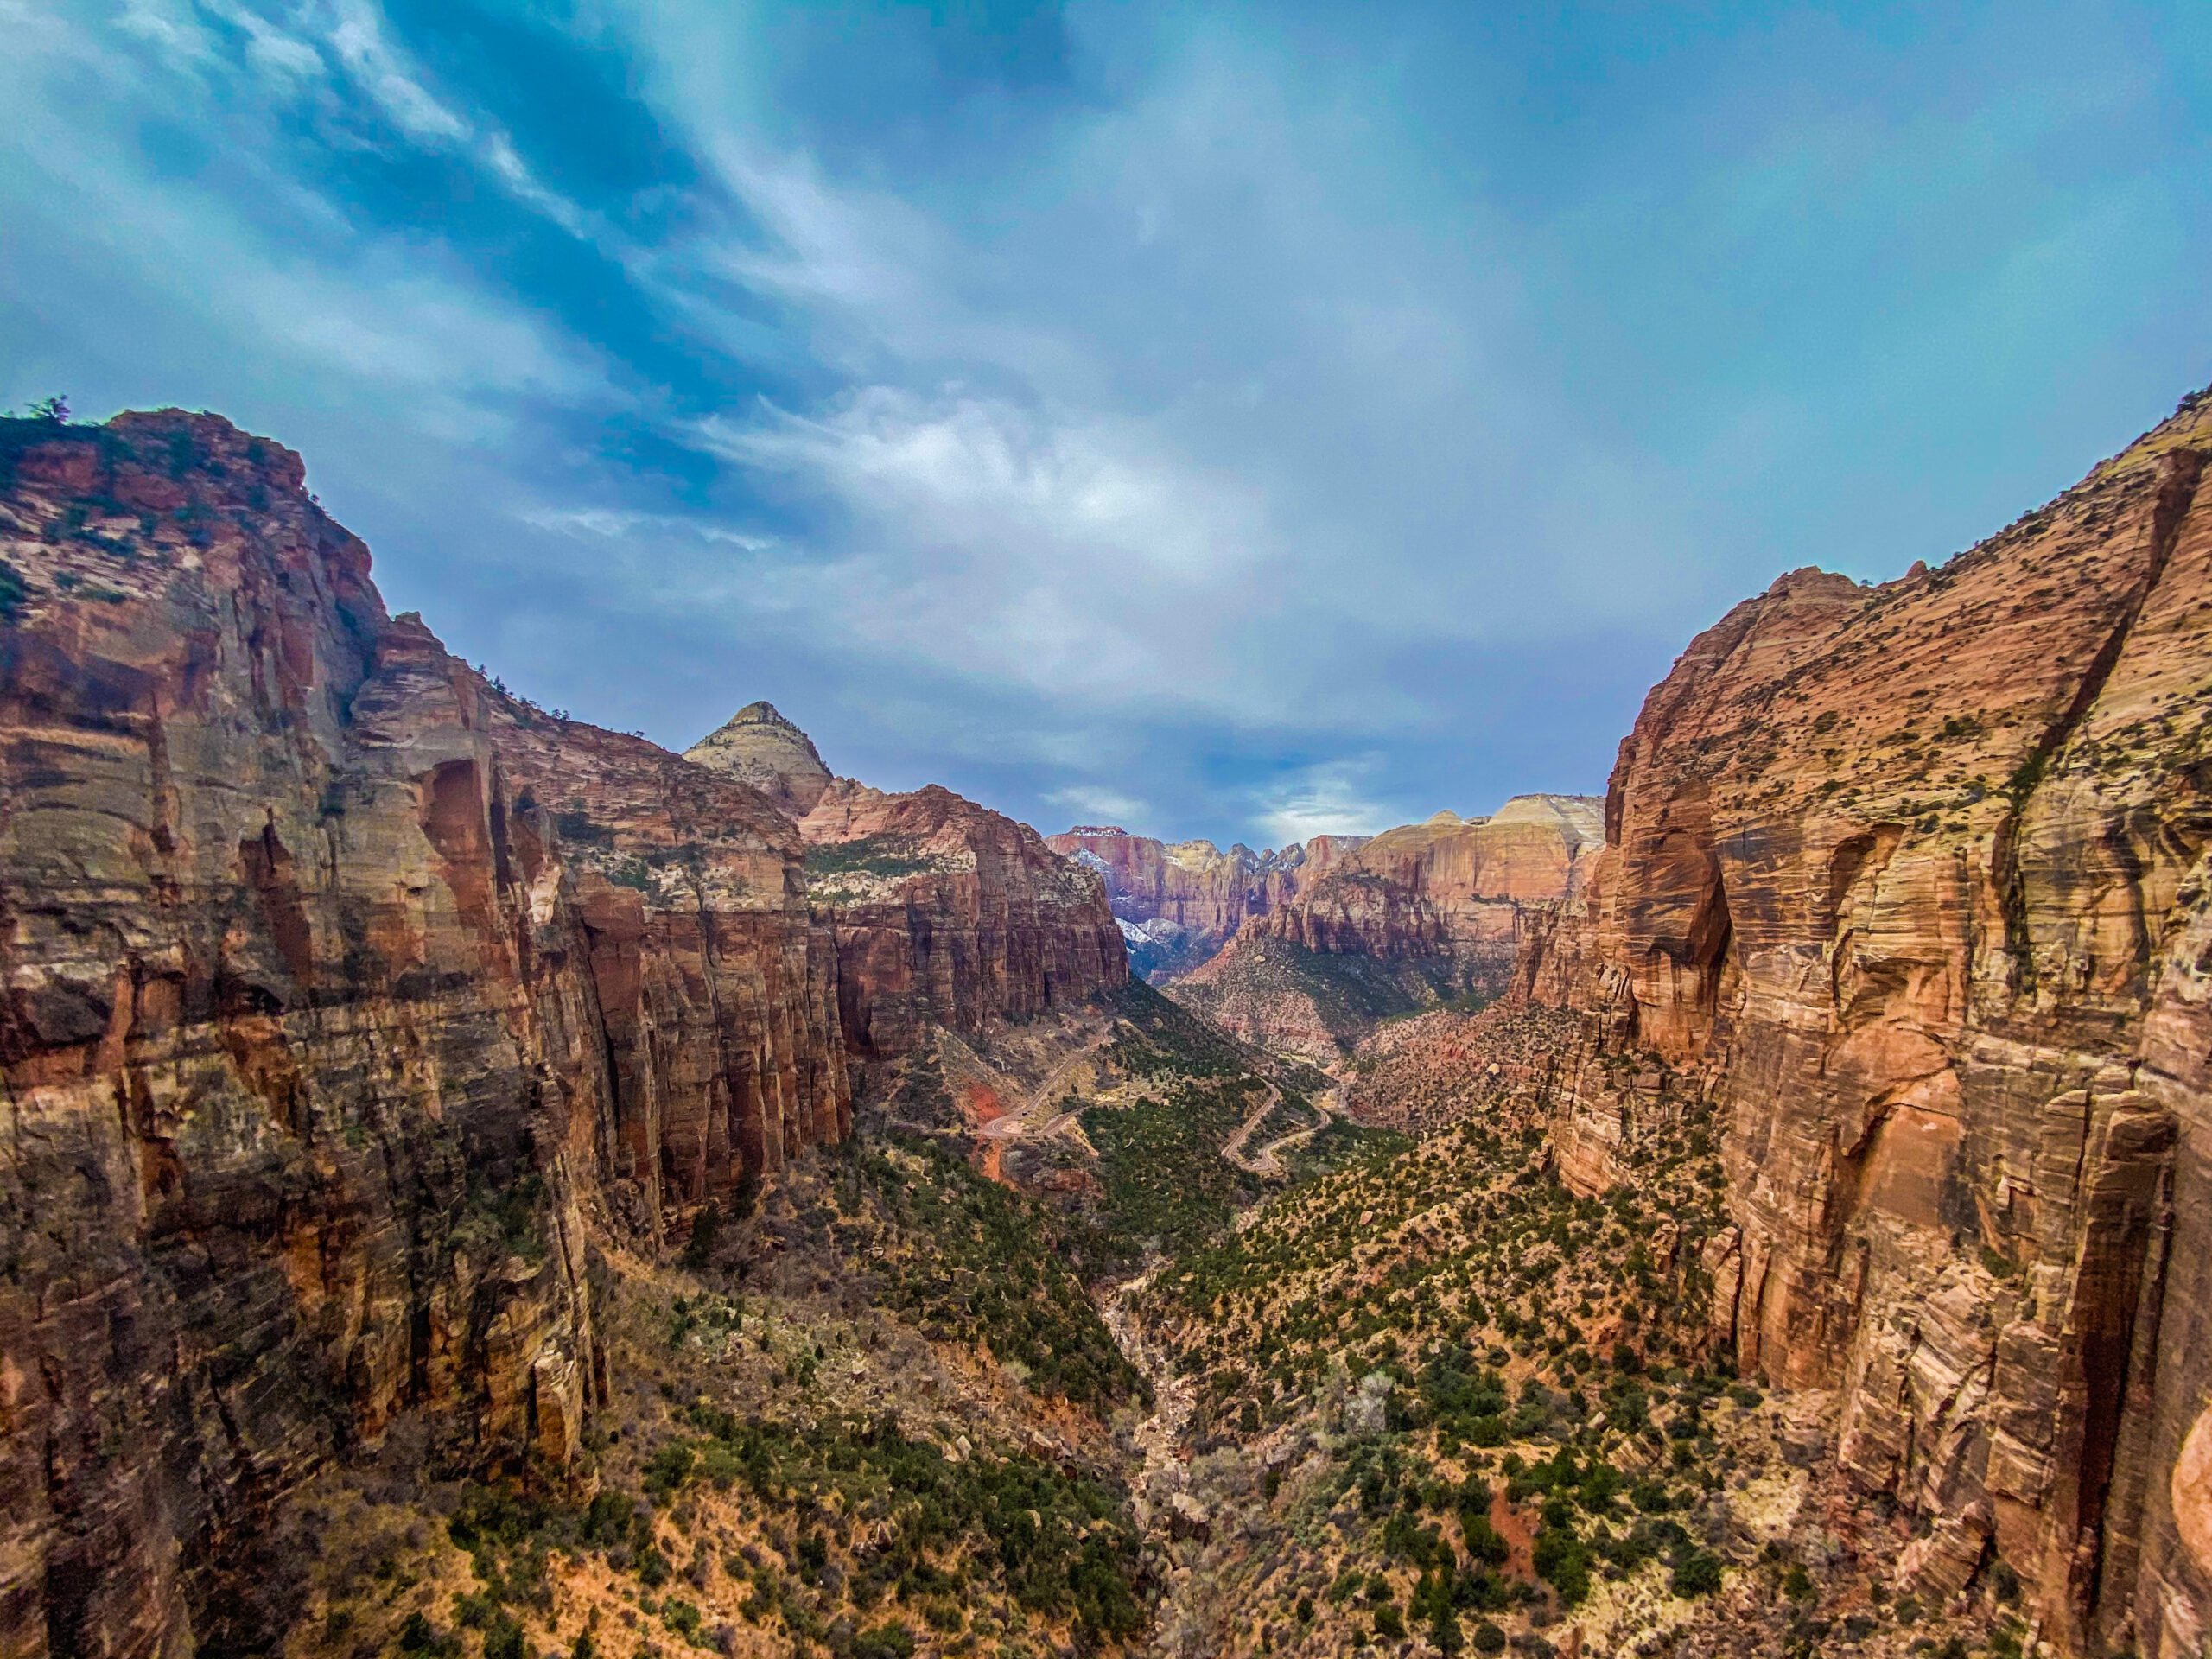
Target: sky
1244,422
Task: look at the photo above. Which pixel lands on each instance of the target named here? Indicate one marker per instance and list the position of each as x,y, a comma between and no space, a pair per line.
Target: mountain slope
1913,882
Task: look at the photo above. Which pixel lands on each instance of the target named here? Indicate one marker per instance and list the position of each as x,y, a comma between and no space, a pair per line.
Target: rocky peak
1580,818
758,746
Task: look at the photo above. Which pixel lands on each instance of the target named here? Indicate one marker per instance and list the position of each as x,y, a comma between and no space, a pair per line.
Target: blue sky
1245,421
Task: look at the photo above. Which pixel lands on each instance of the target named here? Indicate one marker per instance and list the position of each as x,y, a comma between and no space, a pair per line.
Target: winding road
1268,1162
1013,1124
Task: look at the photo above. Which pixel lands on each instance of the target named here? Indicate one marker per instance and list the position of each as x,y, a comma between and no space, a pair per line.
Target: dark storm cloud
1241,422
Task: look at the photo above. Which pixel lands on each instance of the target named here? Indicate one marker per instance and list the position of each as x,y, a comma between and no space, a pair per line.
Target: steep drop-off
1911,881
943,911
347,997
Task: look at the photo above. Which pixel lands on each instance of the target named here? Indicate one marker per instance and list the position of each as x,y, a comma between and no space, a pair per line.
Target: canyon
1425,912
1443,889
475,1180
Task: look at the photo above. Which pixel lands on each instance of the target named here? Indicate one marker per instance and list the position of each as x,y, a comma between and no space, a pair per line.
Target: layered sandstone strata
1913,882
759,746
1189,897
945,912
1449,888
343,993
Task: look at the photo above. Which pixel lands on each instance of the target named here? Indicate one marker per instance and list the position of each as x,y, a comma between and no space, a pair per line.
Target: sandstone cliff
758,746
1426,911
1912,881
343,994
1182,901
943,911
1449,888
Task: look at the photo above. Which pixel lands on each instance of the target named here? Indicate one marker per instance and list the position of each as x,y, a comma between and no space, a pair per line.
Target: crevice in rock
2177,493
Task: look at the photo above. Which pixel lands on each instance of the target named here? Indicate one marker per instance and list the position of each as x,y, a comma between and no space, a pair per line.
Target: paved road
1269,1160
1018,1122
1233,1148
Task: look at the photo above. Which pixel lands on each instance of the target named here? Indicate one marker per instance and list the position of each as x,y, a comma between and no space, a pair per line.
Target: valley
484,1187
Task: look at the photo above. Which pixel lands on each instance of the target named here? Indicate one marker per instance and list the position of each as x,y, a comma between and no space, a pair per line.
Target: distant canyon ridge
1300,948
1180,902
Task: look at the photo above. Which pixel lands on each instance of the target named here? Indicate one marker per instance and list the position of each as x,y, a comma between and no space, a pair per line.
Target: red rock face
343,994
943,911
1449,888
1193,885
1912,880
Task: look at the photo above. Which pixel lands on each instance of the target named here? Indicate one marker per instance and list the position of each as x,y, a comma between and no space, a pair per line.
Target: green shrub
699,1249
1563,1561
885,1641
682,1617
1697,1573
668,1468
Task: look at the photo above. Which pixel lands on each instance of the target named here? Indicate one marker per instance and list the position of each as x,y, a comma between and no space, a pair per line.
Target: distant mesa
758,746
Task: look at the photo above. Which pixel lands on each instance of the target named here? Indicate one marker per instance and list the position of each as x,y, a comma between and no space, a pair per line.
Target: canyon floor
1106,1332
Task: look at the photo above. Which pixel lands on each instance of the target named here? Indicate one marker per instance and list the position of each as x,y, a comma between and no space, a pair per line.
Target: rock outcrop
943,911
1389,925
1450,888
1912,881
759,746
344,995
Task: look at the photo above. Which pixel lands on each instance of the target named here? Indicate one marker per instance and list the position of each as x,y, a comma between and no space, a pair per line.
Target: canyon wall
344,997
945,912
1182,901
1911,883
1450,887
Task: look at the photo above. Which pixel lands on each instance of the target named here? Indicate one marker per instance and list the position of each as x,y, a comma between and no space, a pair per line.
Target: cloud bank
1246,423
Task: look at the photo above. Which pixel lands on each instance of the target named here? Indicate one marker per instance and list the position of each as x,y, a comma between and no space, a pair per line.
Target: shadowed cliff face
946,913
344,995
1913,880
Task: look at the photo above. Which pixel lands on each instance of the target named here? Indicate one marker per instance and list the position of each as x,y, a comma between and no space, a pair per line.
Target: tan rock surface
1912,879
759,747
